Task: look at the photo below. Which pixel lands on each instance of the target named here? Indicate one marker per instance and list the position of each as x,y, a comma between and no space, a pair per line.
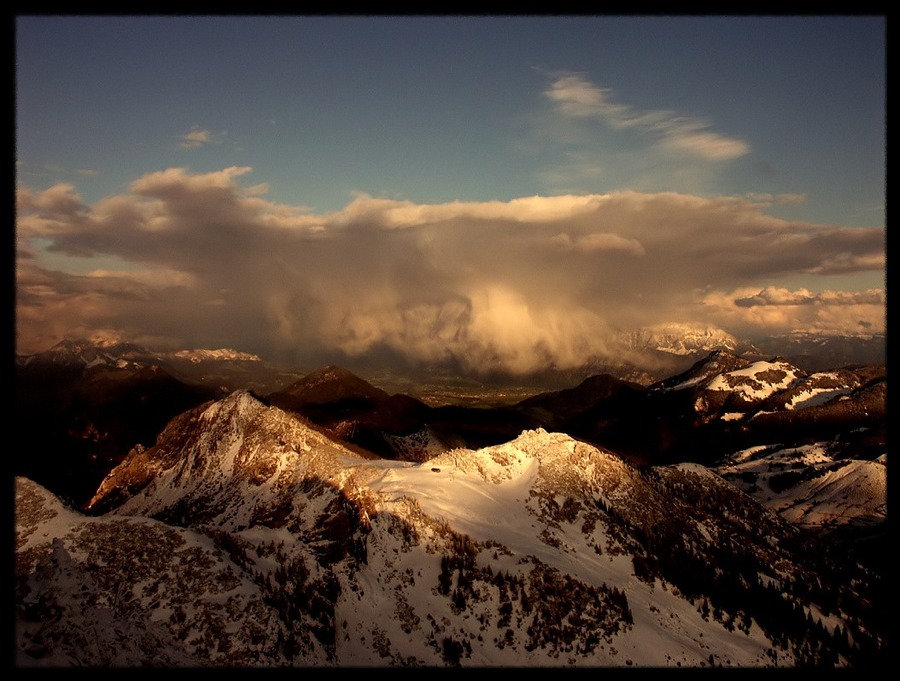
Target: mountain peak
690,339
716,362
327,384
217,451
240,402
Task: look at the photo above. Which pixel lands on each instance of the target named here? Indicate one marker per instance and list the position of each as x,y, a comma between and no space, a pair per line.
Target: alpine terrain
249,534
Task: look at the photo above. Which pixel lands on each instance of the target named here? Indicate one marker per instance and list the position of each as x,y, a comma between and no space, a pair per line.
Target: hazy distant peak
199,355
111,350
81,352
680,338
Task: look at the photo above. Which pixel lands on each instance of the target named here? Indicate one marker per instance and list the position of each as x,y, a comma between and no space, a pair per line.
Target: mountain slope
88,417
722,403
120,591
811,487
540,551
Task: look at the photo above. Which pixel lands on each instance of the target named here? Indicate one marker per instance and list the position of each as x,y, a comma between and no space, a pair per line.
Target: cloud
515,285
774,296
58,203
781,310
775,198
783,296
195,138
596,242
707,145
577,97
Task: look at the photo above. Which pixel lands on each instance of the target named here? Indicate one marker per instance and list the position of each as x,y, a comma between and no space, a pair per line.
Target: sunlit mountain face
732,514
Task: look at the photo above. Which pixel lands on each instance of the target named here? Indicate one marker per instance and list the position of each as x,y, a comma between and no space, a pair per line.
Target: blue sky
322,118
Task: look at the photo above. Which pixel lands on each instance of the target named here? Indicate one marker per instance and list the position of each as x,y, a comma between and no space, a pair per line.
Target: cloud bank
199,260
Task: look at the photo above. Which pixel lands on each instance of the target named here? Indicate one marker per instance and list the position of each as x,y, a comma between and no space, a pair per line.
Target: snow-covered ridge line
105,351
198,355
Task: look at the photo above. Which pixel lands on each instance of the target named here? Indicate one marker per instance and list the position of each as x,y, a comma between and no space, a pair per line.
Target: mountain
328,385
821,352
353,410
692,339
650,354
585,397
666,349
247,536
811,485
77,395
93,400
395,426
223,370
80,353
85,416
832,489
722,403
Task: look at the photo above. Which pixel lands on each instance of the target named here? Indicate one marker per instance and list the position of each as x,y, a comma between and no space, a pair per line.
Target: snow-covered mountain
690,339
722,403
80,353
201,355
820,352
247,536
810,486
92,352
223,369
812,351
725,372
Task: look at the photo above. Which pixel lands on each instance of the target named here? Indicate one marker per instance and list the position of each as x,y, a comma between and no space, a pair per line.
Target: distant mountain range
730,514
223,370
91,401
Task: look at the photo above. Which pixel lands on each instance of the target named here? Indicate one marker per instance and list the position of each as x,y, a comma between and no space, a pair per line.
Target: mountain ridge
681,417
542,550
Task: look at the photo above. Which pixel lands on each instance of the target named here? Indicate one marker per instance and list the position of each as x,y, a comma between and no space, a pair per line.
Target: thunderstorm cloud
201,260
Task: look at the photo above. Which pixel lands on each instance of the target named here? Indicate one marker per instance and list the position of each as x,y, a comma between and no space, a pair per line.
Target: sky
505,192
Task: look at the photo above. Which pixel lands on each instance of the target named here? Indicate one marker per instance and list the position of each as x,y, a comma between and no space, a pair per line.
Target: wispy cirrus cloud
769,198
577,97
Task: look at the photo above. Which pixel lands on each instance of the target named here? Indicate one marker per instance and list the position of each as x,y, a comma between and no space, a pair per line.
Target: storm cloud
201,260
